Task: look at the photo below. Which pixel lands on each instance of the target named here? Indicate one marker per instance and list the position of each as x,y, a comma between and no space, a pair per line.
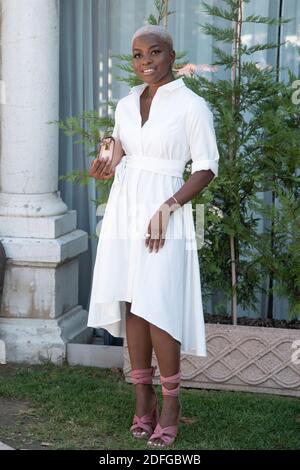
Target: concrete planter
242,358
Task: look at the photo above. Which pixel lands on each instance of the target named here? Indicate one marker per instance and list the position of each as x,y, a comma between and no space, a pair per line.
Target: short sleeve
116,129
202,137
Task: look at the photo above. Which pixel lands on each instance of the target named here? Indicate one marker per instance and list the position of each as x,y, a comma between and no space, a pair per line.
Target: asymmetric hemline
150,320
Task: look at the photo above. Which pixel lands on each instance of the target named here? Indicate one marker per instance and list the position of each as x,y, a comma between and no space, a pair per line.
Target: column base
36,341
39,311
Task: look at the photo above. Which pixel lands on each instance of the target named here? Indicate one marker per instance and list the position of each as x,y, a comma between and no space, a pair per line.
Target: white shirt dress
163,287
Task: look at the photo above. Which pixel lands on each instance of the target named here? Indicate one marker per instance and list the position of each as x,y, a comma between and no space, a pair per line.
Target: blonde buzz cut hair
159,31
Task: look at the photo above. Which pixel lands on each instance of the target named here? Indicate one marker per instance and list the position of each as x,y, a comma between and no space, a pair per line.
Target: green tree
258,139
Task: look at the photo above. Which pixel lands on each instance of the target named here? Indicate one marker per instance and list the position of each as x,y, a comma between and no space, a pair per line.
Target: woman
147,283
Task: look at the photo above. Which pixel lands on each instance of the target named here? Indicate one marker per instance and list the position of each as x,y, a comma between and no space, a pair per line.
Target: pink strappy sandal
168,433
147,422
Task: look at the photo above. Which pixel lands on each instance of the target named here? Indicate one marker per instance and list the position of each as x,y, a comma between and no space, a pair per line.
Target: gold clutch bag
101,167
110,152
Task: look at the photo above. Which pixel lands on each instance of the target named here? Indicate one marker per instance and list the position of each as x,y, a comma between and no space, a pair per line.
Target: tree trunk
235,77
165,13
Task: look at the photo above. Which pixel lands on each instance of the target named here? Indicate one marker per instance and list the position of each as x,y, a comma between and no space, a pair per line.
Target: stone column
39,311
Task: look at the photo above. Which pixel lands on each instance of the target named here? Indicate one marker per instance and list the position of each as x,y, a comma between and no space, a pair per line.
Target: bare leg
140,353
167,351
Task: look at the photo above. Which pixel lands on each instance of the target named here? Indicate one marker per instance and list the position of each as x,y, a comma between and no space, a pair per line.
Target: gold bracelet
175,199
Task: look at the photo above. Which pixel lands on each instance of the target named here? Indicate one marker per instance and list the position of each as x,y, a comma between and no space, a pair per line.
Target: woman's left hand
157,228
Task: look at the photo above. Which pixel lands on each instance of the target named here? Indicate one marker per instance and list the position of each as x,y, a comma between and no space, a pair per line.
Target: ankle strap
143,376
174,392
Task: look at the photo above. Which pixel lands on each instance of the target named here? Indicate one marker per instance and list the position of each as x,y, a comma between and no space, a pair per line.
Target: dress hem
147,319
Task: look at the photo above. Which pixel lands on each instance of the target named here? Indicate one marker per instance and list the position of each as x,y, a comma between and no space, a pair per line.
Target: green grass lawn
91,408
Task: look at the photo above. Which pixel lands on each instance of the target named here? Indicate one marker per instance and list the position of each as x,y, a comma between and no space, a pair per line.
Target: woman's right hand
102,169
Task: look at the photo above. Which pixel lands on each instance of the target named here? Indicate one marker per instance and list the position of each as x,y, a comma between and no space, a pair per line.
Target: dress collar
170,86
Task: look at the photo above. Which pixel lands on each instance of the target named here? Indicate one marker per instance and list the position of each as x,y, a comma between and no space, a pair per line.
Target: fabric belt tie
156,165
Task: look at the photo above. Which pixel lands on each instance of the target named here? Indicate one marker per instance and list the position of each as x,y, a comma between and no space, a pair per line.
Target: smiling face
152,58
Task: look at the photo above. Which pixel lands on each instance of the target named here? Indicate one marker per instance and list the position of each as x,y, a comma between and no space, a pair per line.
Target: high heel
168,433
147,422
